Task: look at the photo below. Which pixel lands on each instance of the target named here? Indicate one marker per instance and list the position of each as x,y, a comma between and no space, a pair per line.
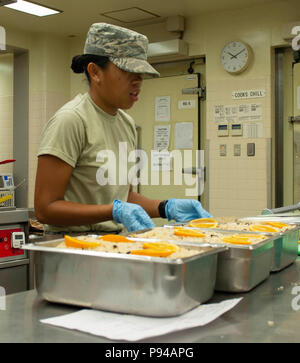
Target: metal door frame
279,119
201,97
295,119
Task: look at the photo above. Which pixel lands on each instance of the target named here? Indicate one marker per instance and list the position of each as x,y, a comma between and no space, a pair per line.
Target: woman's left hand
183,210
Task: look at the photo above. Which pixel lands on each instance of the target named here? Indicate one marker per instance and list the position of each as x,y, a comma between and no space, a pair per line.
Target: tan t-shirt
94,143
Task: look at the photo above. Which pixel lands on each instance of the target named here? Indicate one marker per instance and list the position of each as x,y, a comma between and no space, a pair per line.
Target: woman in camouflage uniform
79,143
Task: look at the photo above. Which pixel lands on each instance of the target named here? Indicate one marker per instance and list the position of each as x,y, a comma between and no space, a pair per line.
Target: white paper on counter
132,327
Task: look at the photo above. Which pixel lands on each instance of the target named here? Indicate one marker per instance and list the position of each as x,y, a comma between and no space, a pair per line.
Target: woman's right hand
131,215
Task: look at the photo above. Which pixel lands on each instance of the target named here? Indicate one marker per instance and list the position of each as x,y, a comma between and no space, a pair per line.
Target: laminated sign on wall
253,130
162,108
184,135
250,112
252,93
161,137
161,160
186,104
238,113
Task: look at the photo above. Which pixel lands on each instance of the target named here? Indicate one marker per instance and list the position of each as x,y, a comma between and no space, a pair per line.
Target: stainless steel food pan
241,267
285,244
124,283
285,249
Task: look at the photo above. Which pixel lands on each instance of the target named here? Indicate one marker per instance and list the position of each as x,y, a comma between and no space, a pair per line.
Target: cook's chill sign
253,93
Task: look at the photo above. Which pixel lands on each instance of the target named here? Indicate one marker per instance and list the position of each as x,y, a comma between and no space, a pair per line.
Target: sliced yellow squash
78,243
203,223
262,228
184,232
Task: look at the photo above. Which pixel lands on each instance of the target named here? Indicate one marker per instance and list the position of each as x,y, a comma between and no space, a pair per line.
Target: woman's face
116,88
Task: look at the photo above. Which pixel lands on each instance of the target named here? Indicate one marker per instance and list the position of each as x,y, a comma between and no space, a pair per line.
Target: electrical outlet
251,149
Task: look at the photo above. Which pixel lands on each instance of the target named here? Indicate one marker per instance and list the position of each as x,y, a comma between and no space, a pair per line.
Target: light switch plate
237,150
223,151
251,149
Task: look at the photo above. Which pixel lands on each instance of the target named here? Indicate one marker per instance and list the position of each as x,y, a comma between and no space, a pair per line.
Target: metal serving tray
240,267
124,283
285,244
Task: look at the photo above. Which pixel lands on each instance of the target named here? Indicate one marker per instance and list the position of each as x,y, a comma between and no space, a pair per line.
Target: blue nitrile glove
132,216
183,210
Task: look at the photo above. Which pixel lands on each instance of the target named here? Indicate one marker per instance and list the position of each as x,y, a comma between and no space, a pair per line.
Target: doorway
170,116
287,126
14,116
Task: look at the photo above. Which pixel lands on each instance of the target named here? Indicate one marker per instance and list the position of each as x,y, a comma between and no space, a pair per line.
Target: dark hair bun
78,63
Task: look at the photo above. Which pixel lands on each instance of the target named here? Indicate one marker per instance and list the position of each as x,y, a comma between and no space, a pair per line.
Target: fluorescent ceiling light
32,8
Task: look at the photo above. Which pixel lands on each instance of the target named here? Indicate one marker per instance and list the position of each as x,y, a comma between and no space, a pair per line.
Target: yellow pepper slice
161,246
183,232
154,249
277,224
78,243
262,228
114,238
152,252
236,240
203,223
241,238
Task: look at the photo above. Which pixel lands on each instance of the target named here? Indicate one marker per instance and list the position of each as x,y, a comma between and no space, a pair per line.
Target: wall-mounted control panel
236,130
223,130
237,150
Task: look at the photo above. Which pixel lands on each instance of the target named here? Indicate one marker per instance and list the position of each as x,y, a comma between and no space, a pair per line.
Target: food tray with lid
123,283
285,244
240,267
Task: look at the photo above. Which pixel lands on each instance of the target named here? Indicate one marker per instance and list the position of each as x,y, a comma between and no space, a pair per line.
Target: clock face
235,57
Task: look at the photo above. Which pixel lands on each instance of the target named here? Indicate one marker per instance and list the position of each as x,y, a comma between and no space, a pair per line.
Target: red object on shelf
7,161
6,249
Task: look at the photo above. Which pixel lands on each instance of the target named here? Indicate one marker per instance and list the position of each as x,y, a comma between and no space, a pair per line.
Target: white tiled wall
6,111
42,106
239,185
6,134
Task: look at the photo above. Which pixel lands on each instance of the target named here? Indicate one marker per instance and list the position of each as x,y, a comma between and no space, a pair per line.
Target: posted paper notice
161,137
163,108
183,135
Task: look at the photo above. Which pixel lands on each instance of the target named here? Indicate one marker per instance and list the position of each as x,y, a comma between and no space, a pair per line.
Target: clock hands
232,55
235,55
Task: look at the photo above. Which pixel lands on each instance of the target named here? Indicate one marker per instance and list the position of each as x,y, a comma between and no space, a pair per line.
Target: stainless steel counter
265,314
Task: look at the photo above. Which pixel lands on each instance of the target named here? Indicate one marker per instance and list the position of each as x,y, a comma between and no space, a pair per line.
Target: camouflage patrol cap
125,48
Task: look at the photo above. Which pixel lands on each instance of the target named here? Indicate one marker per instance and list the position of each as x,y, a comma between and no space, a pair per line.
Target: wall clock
235,57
